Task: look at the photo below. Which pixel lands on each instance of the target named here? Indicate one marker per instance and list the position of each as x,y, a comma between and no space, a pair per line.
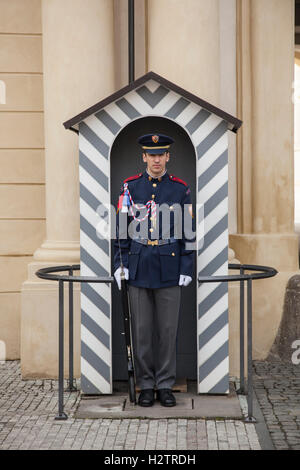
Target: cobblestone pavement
28,408
277,387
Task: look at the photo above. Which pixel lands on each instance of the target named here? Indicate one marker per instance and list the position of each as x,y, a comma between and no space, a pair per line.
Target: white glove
184,280
117,275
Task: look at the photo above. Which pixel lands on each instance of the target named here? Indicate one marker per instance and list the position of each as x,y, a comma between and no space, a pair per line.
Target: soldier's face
156,164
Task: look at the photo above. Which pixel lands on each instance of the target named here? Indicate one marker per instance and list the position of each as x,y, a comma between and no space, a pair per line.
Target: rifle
127,330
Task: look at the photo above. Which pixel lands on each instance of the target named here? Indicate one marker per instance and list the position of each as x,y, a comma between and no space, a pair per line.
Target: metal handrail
45,273
267,271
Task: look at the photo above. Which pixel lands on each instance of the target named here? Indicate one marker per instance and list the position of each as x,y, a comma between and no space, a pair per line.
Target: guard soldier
157,263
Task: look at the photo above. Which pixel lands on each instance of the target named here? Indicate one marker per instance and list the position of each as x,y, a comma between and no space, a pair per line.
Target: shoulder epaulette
134,177
178,180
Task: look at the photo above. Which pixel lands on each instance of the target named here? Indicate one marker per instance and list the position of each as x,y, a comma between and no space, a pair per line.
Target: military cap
155,143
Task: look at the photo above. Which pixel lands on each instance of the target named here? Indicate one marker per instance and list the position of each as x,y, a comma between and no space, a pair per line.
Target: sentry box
109,153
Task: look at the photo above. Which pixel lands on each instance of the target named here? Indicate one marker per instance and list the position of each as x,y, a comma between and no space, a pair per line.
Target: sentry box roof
165,86
207,127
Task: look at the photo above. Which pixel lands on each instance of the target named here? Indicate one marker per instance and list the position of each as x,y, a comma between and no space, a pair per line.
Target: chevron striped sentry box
207,126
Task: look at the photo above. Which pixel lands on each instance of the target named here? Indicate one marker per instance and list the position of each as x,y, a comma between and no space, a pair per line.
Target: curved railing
50,273
47,273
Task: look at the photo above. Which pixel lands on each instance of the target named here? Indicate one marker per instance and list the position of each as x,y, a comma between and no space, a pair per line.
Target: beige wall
92,64
78,67
22,208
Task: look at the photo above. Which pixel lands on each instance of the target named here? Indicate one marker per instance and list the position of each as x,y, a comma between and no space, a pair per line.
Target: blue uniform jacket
156,266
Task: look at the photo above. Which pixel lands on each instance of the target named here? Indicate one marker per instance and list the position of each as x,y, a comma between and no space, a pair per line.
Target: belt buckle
152,242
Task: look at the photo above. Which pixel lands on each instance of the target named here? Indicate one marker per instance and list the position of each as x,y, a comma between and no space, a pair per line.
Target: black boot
166,397
146,397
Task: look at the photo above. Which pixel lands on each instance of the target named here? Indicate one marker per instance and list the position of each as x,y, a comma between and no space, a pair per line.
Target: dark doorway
126,160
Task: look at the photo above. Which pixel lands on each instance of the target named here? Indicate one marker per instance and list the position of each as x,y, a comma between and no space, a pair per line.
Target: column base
277,250
280,252
51,251
39,325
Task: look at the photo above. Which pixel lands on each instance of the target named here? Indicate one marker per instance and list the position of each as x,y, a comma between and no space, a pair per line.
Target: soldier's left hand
184,280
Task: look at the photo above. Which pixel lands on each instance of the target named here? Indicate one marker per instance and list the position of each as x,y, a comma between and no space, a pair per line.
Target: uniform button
153,196
149,178
154,185
151,218
171,208
150,229
173,254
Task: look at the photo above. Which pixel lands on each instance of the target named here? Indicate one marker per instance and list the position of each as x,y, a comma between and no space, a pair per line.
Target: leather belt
146,241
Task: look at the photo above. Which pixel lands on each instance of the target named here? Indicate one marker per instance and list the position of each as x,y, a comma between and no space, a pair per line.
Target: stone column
78,66
193,44
183,44
265,232
121,40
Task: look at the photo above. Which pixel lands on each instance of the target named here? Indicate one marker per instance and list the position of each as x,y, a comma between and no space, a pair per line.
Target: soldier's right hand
117,275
